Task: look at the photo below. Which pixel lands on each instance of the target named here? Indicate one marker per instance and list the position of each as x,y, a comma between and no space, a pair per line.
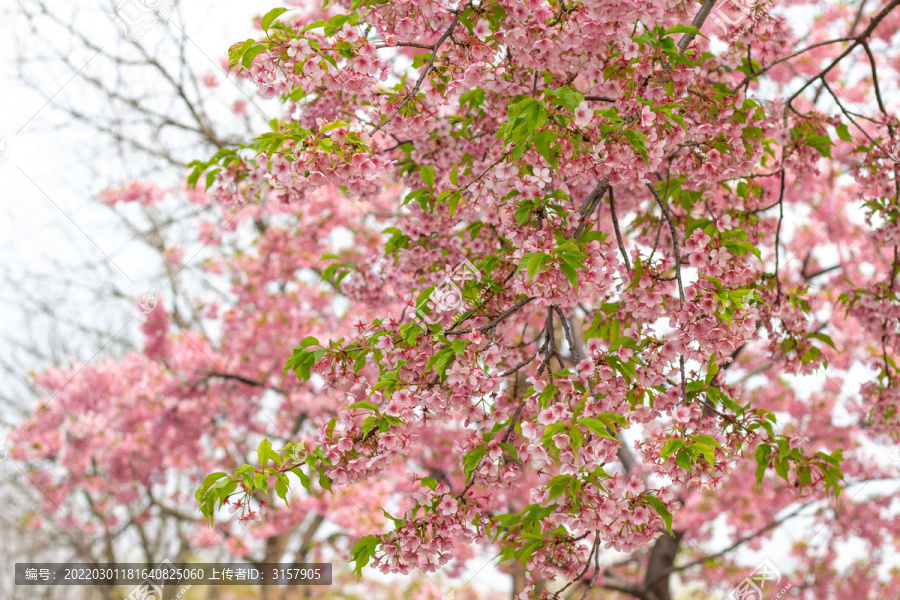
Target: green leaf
712,369
427,173
670,447
543,141
638,141
419,60
685,29
304,478
263,451
510,449
440,361
453,202
334,125
822,143
281,489
533,262
324,482
335,23
309,341
824,337
397,522
782,466
471,460
762,458
614,417
454,176
362,552
429,482
558,485
683,460
363,404
741,247
236,51
210,479
571,275
843,133
270,16
249,55
567,98
706,451
708,440
660,507
597,426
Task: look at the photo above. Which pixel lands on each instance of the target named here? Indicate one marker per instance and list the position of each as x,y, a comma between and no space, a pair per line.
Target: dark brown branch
615,220
412,94
873,23
675,246
788,57
590,203
698,21
721,553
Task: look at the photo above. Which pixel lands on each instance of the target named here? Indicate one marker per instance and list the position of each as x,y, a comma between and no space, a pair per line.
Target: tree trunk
662,558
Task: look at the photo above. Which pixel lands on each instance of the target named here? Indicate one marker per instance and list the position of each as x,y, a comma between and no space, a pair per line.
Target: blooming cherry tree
683,250
647,226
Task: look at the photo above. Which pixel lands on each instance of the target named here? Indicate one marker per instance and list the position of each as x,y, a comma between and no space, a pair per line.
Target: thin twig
412,94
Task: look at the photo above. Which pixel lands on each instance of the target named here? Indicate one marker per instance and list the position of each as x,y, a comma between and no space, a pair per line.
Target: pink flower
546,417
210,81
542,177
448,506
641,515
583,114
536,383
682,414
708,305
482,30
561,441
635,486
586,367
531,430
364,64
724,223
280,167
495,451
629,50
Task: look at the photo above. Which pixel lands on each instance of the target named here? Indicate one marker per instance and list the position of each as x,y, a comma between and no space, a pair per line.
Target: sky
52,167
